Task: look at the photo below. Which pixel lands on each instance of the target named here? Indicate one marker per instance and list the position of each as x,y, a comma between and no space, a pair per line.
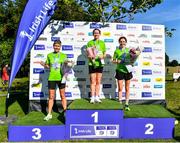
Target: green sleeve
89,44
115,55
48,60
104,47
65,57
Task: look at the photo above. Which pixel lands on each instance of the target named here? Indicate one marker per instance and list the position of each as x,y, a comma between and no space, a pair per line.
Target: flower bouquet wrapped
134,54
131,59
66,68
93,53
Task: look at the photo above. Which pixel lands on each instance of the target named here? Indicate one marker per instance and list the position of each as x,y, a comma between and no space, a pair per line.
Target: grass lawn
18,106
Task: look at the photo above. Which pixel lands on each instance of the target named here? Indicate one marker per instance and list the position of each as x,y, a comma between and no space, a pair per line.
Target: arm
115,59
44,64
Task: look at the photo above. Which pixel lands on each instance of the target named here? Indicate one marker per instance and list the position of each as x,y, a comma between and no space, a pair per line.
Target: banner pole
7,103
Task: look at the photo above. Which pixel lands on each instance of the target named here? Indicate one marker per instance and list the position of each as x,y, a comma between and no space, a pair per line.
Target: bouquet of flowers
66,68
134,54
92,53
130,58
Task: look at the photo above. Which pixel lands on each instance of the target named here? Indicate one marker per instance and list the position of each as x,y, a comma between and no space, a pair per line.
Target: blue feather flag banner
35,17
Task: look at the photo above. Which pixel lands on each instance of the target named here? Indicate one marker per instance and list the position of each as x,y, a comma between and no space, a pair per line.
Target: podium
96,124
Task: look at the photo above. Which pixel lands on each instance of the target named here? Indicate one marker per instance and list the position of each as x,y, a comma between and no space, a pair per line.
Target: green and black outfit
55,60
122,54
96,66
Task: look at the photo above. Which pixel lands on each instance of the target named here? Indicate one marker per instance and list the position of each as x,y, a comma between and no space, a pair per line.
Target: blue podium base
96,124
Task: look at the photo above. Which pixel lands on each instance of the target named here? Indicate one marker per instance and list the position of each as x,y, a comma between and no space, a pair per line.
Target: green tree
116,10
10,13
174,63
69,10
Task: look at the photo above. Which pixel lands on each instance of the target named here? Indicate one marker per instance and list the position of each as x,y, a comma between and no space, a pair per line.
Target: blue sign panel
39,47
36,133
148,128
94,123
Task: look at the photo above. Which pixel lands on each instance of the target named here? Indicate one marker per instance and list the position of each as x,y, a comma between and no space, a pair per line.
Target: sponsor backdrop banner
148,82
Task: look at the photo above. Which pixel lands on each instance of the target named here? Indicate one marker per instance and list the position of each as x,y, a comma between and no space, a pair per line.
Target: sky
167,13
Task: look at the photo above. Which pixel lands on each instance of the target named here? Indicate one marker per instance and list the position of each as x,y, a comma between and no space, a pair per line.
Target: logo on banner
146,94
118,34
39,56
108,34
38,71
146,42
158,64
95,25
67,47
158,86
55,38
146,86
131,35
38,94
37,21
68,94
132,94
157,42
157,94
107,85
157,28
108,40
90,34
156,36
159,79
36,85
147,49
146,28
146,64
42,39
134,41
76,94
81,62
132,27
68,25
156,72
70,55
157,49
121,27
80,34
159,58
82,40
146,72
146,80
148,57
69,39
79,25
39,47
134,80
142,36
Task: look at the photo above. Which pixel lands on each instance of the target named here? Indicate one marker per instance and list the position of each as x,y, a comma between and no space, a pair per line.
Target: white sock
127,101
92,97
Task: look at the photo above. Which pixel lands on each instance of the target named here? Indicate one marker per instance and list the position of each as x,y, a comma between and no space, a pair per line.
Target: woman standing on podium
122,73
53,62
96,51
